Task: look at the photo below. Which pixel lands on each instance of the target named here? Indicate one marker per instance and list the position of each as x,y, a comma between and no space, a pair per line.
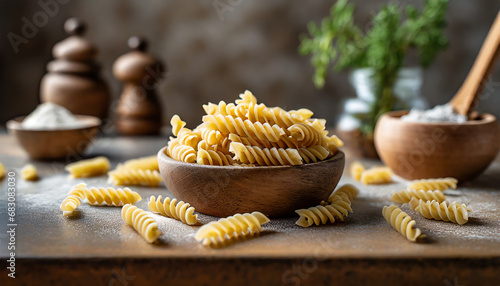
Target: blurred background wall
213,56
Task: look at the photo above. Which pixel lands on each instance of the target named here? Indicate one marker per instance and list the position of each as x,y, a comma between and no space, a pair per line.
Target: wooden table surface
98,247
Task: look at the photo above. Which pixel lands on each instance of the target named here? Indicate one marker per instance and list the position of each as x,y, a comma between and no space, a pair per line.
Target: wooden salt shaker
73,79
139,110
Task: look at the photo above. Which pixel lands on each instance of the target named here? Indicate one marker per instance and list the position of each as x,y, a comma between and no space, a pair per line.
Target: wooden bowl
276,191
55,144
415,150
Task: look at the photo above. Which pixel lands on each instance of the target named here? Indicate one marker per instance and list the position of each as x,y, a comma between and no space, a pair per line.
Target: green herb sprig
342,44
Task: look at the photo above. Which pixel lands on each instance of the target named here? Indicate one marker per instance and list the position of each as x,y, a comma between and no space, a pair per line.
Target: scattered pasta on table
405,196
356,170
441,184
172,208
233,226
29,173
94,167
454,212
134,177
402,223
2,171
142,222
376,176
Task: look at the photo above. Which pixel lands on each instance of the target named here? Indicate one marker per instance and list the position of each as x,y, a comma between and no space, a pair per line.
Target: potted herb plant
377,59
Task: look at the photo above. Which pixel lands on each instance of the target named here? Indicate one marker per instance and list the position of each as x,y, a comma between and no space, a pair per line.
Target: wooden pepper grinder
73,79
139,110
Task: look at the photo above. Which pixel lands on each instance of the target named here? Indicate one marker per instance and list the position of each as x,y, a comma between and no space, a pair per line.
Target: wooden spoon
467,97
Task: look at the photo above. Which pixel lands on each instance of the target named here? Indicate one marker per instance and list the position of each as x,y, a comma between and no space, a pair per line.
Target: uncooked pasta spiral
249,141
105,196
356,170
134,177
376,175
226,109
188,138
402,222
143,163
69,204
228,124
314,153
269,135
212,137
145,225
29,173
265,156
434,184
232,226
89,168
306,135
210,157
171,208
261,113
339,207
454,212
246,98
304,113
74,198
177,124
2,171
347,190
181,152
405,196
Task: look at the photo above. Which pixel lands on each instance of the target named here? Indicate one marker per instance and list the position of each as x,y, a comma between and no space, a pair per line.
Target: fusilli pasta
265,157
402,222
181,152
268,136
210,157
376,175
69,204
228,124
347,190
232,226
105,196
339,207
171,208
454,212
177,124
356,170
143,163
29,173
145,225
314,153
2,171
134,177
433,184
261,113
89,168
226,109
405,196
307,135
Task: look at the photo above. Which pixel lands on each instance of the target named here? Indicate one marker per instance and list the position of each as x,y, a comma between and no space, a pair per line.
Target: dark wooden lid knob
137,43
137,65
75,47
74,26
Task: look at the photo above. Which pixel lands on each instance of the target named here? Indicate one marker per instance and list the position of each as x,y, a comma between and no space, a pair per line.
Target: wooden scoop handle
467,97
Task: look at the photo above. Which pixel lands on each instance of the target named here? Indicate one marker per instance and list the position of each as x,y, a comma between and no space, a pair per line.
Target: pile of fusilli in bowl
247,133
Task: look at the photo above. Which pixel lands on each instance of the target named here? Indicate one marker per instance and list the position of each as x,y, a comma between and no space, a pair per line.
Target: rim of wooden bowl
163,156
90,122
484,118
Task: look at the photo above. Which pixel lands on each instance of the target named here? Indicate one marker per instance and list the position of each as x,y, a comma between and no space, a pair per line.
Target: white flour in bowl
51,116
440,113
